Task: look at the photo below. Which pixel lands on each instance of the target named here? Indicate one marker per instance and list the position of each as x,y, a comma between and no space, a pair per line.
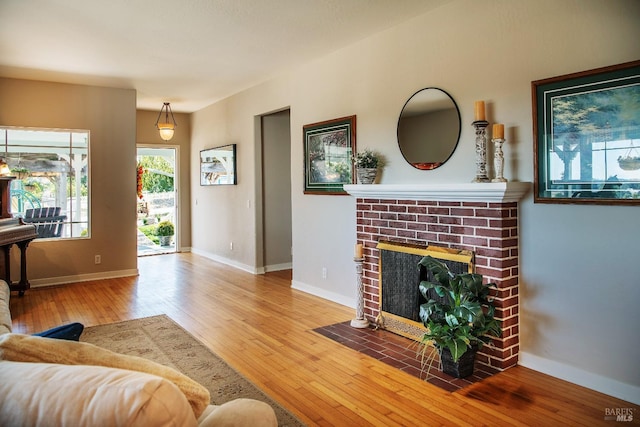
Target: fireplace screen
400,276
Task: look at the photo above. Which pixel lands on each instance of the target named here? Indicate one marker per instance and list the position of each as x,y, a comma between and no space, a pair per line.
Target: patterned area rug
160,339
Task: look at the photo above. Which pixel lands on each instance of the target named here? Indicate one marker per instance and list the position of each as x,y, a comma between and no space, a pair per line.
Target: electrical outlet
324,272
98,259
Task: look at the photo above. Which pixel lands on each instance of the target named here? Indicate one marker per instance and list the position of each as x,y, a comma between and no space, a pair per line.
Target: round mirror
428,128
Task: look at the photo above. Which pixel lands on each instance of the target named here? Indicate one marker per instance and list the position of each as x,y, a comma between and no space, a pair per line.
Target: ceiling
191,53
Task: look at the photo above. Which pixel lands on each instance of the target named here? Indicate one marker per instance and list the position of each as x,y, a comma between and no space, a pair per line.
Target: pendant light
164,126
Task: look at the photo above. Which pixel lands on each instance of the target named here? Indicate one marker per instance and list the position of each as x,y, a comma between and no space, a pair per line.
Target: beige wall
147,134
579,296
109,114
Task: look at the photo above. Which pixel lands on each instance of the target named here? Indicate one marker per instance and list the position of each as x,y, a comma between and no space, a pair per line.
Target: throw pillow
70,332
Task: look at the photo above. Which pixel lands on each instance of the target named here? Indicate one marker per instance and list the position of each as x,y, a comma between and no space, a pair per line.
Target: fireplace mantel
500,192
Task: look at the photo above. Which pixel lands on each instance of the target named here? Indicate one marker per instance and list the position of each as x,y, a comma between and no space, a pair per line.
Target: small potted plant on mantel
165,232
458,315
367,163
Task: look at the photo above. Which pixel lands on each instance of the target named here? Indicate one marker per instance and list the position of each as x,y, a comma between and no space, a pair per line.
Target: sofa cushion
25,348
45,394
5,314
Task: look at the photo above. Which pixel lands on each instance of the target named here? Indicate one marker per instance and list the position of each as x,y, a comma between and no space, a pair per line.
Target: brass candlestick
481,151
498,160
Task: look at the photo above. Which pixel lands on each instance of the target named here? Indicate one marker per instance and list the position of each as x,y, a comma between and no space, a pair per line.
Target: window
51,188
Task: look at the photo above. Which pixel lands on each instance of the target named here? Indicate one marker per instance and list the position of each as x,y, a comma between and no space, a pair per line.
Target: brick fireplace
480,217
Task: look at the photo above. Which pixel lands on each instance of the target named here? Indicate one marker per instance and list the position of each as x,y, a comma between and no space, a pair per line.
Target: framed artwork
587,136
218,165
328,152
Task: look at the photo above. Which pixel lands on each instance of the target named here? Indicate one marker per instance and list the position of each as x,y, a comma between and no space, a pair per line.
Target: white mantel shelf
500,192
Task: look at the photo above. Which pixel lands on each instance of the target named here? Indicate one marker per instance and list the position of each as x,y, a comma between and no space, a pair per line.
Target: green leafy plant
368,159
342,169
165,228
157,176
459,312
20,171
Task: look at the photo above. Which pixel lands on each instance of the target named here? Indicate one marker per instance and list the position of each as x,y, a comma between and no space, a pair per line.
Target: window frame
70,222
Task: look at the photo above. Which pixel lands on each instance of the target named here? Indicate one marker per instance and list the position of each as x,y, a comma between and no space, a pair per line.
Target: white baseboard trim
605,385
227,261
62,280
278,267
323,293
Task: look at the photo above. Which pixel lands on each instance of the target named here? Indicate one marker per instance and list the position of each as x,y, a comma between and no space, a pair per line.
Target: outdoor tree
158,174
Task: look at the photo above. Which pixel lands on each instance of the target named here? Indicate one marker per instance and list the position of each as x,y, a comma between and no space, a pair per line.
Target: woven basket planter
367,175
463,367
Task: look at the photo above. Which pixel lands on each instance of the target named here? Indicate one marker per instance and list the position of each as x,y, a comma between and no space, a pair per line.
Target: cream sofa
51,382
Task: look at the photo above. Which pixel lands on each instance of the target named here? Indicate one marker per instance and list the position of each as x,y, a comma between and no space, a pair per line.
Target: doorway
276,191
157,207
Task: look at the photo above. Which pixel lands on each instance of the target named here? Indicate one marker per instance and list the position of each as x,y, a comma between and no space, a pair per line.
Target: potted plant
458,315
367,163
164,232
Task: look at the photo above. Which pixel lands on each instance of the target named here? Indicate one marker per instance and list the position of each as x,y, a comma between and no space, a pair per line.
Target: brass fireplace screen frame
396,322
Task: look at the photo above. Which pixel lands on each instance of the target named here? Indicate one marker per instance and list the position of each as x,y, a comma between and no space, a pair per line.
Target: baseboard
627,392
323,293
62,280
278,267
227,261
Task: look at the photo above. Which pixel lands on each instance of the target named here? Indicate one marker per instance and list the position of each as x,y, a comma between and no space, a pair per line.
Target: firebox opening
400,276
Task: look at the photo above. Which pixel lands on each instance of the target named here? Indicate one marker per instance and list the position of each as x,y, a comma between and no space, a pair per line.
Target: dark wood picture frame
586,130
329,147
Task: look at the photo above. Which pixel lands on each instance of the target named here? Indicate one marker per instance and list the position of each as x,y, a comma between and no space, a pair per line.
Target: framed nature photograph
328,151
587,136
218,165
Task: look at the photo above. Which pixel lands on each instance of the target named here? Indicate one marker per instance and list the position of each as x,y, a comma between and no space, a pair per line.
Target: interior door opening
157,231
276,191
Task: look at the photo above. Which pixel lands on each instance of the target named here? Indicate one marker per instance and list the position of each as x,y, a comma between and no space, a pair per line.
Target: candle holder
481,151
498,160
359,322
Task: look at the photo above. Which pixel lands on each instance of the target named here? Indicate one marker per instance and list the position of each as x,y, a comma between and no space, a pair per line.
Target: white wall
580,274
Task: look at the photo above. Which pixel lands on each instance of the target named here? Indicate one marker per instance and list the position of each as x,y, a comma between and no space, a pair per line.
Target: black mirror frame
430,166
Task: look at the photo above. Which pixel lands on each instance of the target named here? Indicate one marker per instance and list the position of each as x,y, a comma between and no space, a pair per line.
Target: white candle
359,251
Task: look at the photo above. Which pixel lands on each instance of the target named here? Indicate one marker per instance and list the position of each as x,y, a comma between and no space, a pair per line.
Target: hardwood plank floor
263,328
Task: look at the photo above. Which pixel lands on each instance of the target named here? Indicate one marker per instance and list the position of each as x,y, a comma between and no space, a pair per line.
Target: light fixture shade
166,130
166,127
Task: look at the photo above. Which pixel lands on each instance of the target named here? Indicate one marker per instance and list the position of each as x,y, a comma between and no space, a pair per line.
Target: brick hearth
488,228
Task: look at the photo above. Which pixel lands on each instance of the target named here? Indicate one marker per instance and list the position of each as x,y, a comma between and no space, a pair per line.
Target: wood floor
263,328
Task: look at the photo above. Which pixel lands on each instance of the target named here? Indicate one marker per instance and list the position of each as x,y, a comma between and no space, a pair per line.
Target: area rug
160,339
